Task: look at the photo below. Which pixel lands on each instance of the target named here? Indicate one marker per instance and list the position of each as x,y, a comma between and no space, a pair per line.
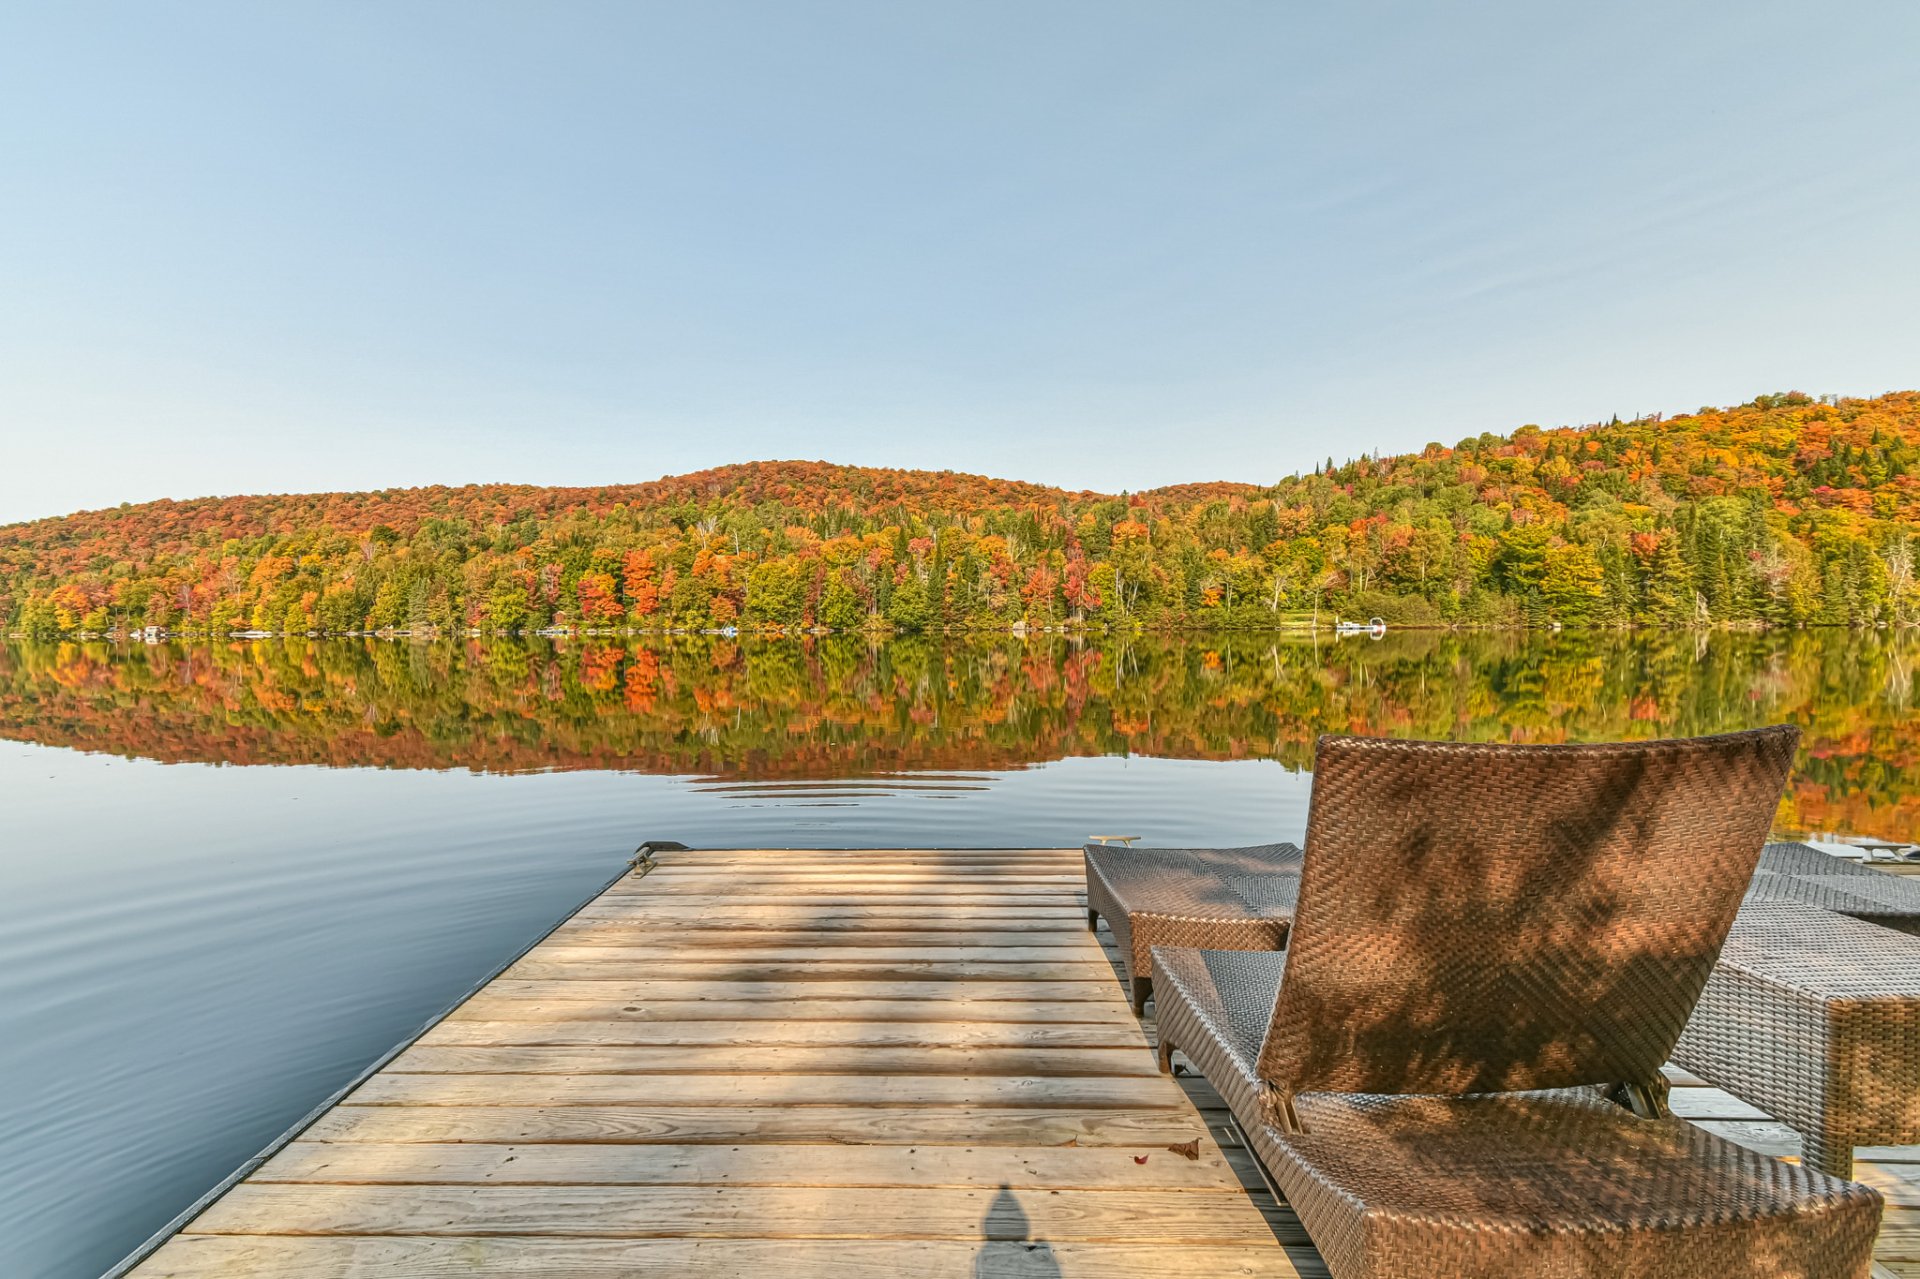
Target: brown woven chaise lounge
1215,898
1454,1070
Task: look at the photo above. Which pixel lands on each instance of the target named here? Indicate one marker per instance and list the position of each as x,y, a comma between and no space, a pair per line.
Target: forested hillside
1782,510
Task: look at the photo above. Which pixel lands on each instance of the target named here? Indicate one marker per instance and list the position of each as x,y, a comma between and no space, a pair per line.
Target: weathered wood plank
805,914
667,941
999,875
802,920
833,1059
801,862
1053,890
957,871
916,899
875,885
361,1257
1899,1191
1711,1103
954,870
803,859
1770,1138
1899,1235
957,850
834,1125
1065,883
991,881
719,857
592,966
642,988
1046,890
390,1088
455,1163
752,1212
771,1033
491,1007
823,958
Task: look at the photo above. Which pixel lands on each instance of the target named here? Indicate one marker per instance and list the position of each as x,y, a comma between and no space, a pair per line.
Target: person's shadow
1010,1252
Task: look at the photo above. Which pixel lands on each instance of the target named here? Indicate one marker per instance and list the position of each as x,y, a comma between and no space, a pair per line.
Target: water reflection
852,717
191,957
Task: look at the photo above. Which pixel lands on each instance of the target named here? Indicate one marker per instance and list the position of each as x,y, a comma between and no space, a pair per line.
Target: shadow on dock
1010,1251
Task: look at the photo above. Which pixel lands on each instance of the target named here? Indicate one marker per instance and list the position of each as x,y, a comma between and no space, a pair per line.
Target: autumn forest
1786,510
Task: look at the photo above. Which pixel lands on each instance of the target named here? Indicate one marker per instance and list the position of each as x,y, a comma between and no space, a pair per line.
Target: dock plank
1146,1130
1055,1167
593,966
727,1211
979,948
488,1006
256,1257
680,989
393,1088
667,942
731,923
833,1059
721,1032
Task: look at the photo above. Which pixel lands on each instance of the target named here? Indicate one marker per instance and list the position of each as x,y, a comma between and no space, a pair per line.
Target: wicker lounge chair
1216,898
1494,951
1814,1018
1797,873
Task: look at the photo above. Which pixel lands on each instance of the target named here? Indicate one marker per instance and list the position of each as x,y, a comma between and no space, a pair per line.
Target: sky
346,245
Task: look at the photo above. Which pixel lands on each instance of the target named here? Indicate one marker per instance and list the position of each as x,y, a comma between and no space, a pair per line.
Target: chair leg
1142,986
1093,920
1821,1151
1647,1099
1163,1055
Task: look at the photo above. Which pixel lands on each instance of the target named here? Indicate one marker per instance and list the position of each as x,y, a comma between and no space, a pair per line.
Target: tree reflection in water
848,706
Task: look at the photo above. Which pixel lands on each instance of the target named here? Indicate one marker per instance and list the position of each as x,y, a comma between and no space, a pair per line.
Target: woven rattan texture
1214,1006
1557,1183
1797,873
1216,898
1554,1184
1482,918
1486,920
1815,1018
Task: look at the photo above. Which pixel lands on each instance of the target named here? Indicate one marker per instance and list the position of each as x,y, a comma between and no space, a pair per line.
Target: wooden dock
858,1063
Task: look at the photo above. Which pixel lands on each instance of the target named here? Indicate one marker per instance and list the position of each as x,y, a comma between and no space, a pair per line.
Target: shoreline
1335,629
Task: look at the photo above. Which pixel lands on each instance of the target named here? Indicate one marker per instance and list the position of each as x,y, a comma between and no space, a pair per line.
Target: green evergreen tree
937,585
840,605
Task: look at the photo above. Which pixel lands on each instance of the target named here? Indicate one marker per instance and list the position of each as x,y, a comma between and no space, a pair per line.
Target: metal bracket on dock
1259,1164
642,860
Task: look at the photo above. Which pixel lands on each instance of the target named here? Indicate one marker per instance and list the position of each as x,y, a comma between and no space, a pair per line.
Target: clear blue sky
279,247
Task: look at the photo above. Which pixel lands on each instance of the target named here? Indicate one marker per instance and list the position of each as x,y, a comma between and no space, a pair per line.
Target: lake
237,873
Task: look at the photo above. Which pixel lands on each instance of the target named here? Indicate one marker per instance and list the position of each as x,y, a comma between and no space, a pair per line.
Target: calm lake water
235,874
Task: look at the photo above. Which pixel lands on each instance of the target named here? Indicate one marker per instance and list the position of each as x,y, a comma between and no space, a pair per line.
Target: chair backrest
1490,918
